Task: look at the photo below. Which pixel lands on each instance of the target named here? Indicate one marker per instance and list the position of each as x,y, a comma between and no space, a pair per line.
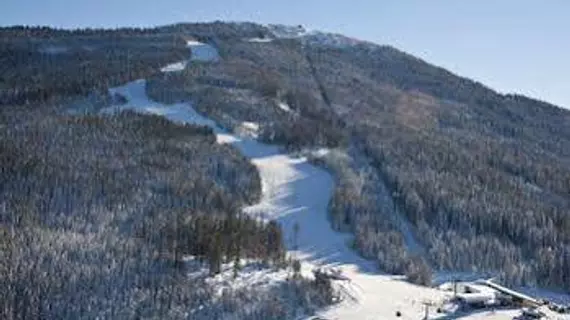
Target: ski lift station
485,293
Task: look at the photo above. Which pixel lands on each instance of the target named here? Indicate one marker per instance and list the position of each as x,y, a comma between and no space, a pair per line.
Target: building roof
477,293
509,292
476,297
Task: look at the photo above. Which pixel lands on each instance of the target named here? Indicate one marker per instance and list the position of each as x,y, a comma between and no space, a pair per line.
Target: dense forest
484,178
436,171
249,84
433,172
40,65
98,214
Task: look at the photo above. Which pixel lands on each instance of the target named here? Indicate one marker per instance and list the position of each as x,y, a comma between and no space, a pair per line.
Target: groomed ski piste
200,52
295,191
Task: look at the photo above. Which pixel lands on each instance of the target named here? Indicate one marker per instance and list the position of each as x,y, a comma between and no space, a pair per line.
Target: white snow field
247,129
251,274
173,67
296,192
199,52
260,40
284,106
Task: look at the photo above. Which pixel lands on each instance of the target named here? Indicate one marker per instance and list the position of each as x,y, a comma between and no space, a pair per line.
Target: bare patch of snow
284,106
319,153
138,101
250,273
173,67
199,52
260,40
247,130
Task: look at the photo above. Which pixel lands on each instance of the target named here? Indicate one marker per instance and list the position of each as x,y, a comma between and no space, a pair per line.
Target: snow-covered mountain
297,194
315,37
360,162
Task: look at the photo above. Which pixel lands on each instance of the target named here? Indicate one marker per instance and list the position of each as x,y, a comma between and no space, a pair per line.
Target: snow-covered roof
477,293
476,297
509,291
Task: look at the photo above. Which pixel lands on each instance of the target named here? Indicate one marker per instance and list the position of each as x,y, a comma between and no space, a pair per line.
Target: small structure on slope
472,295
515,297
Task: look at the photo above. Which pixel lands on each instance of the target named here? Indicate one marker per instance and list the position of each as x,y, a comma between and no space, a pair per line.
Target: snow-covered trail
199,52
295,191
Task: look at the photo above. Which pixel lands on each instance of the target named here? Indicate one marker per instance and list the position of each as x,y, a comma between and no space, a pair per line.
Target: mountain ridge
298,31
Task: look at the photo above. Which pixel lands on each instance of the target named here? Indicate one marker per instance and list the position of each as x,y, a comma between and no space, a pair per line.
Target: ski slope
297,192
198,52
294,191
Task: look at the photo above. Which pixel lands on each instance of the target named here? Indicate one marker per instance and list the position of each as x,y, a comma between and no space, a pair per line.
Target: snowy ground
284,106
247,129
199,52
294,191
251,274
260,40
177,66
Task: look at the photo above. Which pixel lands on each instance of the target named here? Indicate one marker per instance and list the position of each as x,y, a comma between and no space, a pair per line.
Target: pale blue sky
511,45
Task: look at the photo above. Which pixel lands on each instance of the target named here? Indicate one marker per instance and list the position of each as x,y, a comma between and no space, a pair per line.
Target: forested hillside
481,181
98,214
433,171
40,64
484,178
